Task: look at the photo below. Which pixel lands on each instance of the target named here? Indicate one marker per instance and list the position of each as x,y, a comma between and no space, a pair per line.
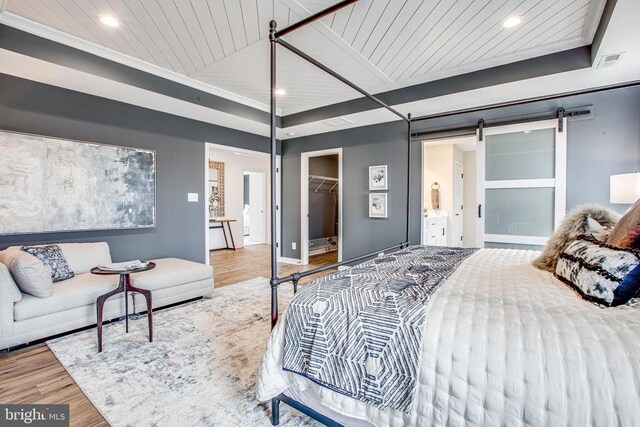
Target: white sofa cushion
85,288
53,259
29,273
171,272
9,291
82,257
78,291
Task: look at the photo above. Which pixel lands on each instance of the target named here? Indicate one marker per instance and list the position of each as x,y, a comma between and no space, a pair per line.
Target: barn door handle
479,211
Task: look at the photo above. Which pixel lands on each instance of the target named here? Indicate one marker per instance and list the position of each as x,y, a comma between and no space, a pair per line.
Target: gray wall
32,107
607,144
362,147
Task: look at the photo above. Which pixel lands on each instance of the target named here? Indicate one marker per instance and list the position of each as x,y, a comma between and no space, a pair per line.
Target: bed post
275,411
275,403
407,240
274,252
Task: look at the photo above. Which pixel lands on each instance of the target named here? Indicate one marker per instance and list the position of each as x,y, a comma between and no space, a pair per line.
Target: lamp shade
624,188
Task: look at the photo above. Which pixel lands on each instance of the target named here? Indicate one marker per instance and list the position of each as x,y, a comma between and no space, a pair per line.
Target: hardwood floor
34,375
246,263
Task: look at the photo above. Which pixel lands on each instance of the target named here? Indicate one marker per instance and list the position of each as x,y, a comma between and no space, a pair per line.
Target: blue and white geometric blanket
359,332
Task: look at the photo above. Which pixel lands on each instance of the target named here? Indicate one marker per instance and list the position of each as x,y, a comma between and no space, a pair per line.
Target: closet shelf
319,181
324,178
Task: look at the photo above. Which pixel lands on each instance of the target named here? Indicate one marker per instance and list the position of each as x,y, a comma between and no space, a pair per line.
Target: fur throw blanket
583,219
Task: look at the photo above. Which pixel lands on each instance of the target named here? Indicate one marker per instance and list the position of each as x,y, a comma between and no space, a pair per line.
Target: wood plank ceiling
379,44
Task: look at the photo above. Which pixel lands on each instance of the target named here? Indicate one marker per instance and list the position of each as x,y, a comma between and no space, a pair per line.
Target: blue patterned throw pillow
53,259
600,273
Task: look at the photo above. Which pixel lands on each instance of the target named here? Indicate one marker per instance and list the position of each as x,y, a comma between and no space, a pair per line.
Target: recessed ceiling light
281,92
512,21
109,21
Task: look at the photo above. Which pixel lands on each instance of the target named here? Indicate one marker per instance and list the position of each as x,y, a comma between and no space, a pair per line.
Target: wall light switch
192,197
293,246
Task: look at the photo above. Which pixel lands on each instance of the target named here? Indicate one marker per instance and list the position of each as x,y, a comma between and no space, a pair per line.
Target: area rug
200,370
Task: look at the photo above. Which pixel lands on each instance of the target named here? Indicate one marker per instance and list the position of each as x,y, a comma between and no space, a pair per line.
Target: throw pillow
29,273
626,234
600,273
574,224
53,259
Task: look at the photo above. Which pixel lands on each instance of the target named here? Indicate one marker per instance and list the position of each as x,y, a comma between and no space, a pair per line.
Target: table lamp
624,188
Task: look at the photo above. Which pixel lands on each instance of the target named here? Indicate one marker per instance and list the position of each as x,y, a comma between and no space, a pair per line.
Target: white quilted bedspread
505,344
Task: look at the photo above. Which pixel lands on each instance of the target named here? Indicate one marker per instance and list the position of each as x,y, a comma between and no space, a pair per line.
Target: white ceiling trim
29,68
593,20
3,5
337,40
40,30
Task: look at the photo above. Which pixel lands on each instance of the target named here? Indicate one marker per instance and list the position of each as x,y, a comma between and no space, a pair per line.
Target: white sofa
25,318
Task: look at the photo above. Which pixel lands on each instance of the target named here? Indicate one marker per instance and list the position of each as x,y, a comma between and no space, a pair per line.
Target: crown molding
40,30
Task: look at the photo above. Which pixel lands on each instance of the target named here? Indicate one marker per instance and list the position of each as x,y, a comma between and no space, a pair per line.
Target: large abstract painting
50,184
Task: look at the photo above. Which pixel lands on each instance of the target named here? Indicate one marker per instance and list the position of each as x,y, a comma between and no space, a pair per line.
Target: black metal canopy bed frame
275,38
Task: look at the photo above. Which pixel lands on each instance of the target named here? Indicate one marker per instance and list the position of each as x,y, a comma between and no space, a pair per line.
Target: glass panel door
521,184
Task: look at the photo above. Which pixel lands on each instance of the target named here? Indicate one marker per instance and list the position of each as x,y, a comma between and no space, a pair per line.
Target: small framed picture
377,205
378,178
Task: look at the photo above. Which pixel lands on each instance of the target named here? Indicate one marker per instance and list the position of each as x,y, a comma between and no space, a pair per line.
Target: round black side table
125,285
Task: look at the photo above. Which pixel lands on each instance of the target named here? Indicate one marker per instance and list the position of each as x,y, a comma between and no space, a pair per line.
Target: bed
503,344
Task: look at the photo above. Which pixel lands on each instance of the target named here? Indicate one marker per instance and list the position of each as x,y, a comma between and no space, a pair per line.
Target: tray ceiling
378,44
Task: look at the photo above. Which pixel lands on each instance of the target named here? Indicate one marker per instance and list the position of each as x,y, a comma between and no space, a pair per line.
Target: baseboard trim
286,260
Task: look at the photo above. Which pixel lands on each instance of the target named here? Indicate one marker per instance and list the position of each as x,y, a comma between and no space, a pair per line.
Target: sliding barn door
521,184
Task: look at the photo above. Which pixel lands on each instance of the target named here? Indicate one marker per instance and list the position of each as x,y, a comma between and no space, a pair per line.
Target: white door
458,197
257,208
521,190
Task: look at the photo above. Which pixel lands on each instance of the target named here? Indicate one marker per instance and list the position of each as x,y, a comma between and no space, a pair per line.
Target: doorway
321,203
254,208
237,162
445,191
